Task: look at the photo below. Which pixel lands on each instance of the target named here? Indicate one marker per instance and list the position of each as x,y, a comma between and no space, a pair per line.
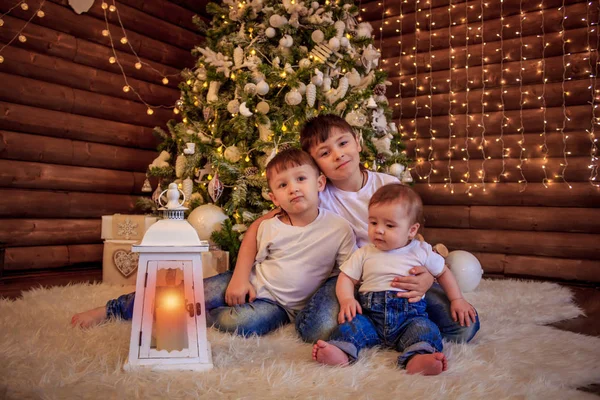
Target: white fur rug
513,356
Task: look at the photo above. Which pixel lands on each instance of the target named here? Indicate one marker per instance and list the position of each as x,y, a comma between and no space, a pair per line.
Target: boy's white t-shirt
293,262
377,268
353,206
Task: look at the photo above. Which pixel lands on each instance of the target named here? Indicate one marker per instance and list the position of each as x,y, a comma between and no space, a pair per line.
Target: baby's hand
463,312
348,310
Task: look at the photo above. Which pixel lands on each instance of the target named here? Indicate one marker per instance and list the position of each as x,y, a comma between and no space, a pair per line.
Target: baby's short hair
289,158
402,195
317,130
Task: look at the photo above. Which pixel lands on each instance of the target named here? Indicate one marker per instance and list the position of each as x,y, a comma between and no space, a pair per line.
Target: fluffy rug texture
513,356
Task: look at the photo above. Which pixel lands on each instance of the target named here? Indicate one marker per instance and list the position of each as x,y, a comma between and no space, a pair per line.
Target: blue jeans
319,318
257,318
389,321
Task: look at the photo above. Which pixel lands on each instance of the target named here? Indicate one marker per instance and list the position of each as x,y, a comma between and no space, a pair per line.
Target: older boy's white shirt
353,206
293,262
378,268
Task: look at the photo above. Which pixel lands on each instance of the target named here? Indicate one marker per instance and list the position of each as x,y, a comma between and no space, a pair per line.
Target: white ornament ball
344,41
263,107
304,63
314,4
206,219
301,88
232,154
466,268
286,41
396,170
250,88
270,32
293,98
262,88
277,21
317,36
233,106
334,44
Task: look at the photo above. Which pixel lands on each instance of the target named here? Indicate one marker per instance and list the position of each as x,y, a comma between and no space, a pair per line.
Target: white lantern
466,268
168,330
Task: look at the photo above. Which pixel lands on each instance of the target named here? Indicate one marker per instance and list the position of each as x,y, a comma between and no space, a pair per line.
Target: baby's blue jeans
256,318
318,319
389,321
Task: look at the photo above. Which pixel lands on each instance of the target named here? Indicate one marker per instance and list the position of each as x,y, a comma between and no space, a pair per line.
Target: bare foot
328,354
89,318
427,364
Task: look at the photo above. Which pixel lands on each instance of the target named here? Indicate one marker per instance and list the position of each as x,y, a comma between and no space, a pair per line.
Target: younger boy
297,252
380,317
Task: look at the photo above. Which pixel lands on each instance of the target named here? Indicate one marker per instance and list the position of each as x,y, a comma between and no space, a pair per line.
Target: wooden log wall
498,103
73,145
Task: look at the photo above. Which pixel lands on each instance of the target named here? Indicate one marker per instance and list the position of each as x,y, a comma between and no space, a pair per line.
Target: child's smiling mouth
342,165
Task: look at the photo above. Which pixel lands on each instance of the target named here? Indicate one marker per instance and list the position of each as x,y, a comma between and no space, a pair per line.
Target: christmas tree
266,67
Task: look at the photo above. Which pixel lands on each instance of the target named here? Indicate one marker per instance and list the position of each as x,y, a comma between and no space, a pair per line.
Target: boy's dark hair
317,130
404,195
289,158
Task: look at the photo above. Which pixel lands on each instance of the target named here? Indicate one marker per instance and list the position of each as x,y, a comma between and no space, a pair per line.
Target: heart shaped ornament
81,6
126,262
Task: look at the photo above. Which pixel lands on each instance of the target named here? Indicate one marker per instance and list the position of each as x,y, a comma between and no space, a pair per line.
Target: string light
593,87
400,53
521,142
565,163
430,105
544,146
139,63
416,87
450,99
467,156
483,80
19,35
501,105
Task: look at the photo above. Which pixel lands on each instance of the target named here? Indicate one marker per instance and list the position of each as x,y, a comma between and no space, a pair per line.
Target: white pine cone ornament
251,171
180,165
188,188
311,94
238,56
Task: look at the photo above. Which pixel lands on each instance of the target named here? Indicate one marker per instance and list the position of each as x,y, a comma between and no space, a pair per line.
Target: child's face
338,157
296,189
390,226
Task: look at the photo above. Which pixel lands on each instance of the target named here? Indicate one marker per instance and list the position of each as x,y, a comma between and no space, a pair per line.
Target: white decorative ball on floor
206,219
466,268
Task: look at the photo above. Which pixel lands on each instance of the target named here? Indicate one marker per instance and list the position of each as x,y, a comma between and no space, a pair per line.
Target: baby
379,317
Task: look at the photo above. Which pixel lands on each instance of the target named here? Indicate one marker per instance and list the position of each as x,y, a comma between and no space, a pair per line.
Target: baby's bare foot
89,318
328,354
427,364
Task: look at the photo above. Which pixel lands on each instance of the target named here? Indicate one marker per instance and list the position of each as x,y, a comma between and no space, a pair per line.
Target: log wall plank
536,219
48,257
46,232
21,118
30,175
547,244
25,147
20,203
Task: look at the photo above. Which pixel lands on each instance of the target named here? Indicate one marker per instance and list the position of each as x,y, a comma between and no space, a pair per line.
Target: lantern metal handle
178,191
190,309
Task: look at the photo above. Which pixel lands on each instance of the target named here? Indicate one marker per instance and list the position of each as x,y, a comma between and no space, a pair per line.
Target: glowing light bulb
105,32
41,14
165,81
149,111
112,60
138,65
124,40
25,6
22,38
126,88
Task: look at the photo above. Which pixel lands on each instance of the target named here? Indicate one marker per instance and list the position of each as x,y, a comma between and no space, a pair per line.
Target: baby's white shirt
292,262
377,268
353,206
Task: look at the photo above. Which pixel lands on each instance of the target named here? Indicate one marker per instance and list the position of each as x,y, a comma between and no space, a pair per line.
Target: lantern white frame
198,356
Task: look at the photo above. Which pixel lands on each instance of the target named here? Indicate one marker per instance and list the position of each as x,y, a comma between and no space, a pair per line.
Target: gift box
119,263
125,227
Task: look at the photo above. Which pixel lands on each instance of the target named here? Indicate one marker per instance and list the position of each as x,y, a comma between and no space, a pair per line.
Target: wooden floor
588,298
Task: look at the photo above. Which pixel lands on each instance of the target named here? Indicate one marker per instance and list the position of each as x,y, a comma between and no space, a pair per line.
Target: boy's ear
321,182
273,199
358,142
412,232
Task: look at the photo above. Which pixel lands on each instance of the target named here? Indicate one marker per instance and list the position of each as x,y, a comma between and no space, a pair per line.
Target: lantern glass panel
169,330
